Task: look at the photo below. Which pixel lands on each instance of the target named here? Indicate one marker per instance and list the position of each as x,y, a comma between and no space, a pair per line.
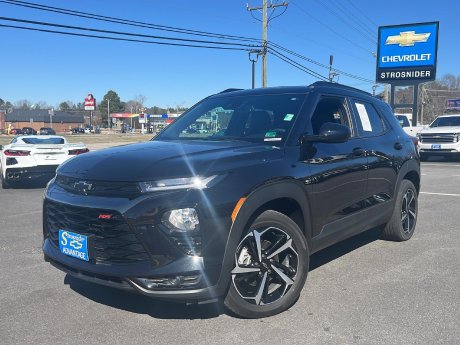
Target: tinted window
368,120
446,121
261,118
329,110
35,141
403,120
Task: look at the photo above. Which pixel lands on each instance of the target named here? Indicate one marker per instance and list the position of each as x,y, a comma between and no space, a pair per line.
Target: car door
338,173
383,148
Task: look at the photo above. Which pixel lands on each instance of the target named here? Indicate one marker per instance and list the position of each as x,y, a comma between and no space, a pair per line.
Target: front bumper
439,149
167,272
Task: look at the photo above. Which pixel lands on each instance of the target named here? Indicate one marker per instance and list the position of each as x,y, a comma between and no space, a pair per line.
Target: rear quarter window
368,120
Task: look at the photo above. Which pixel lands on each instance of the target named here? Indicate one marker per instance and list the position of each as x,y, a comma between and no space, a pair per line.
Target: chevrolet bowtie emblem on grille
407,38
83,186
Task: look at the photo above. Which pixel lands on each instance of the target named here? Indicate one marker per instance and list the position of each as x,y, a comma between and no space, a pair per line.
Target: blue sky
53,68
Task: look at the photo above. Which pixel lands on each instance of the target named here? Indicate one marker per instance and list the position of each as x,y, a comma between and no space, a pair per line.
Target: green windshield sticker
288,117
270,134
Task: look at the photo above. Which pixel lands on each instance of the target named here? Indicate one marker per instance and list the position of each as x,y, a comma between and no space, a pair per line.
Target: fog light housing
171,282
181,220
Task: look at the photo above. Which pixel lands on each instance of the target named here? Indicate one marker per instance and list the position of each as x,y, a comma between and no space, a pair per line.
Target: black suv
47,131
29,131
235,208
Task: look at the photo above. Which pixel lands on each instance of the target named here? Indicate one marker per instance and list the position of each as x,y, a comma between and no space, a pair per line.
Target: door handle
358,151
398,146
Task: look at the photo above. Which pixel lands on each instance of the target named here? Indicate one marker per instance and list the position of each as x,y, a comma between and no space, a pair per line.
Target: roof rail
337,85
230,90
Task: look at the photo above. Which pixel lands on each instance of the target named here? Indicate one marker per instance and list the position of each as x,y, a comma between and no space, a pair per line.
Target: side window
368,120
330,109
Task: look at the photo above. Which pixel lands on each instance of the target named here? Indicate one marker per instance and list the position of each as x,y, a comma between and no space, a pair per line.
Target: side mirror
329,133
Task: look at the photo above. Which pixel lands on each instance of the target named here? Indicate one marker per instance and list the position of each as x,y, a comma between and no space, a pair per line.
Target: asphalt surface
362,291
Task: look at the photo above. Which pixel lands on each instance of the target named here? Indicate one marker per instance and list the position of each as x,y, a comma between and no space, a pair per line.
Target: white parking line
444,194
440,165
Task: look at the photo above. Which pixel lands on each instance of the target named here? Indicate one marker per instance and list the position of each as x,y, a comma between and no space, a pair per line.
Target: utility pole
51,113
374,87
265,21
331,73
108,113
254,60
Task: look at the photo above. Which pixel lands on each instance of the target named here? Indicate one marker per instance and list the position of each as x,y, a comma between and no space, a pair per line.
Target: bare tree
451,81
41,105
140,99
23,104
135,105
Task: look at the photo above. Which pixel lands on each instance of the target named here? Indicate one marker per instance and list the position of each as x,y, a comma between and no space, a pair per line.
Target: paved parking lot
362,291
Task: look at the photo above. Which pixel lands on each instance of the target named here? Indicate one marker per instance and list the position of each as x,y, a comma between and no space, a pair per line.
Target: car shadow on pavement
140,304
342,248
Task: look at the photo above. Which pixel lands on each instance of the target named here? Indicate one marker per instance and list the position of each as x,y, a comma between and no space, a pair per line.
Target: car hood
167,159
443,129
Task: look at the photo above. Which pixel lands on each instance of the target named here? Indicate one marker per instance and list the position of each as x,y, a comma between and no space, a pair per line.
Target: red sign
90,102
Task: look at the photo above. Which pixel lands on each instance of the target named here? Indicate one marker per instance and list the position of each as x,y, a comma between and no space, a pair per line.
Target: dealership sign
453,104
90,102
407,52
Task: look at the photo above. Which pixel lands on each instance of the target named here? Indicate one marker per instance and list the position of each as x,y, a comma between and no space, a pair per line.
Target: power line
346,11
330,47
296,64
362,12
125,21
350,75
330,29
123,33
118,38
347,22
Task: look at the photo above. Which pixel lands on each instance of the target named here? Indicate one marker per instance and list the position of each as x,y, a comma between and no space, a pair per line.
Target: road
362,291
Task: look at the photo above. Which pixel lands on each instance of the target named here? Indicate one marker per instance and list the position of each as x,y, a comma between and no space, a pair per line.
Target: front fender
291,188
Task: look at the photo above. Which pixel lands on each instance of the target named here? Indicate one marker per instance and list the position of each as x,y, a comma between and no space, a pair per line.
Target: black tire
402,224
275,231
5,184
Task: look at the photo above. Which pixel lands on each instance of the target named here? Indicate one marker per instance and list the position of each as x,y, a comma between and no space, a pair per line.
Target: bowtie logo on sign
407,38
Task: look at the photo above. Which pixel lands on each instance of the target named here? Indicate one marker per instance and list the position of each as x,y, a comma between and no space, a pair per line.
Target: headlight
182,220
196,182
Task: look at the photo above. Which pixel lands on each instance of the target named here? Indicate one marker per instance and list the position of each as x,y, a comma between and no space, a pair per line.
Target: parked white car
33,157
407,125
441,138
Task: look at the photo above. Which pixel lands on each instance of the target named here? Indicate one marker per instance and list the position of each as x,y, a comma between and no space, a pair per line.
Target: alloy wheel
266,265
408,211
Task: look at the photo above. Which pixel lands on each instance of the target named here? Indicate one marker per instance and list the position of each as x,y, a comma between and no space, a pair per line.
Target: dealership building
37,118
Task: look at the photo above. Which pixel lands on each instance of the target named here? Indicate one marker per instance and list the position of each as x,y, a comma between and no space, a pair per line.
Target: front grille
438,138
98,188
113,240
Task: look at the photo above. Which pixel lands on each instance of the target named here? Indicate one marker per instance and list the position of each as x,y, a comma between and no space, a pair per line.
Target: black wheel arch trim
411,165
254,201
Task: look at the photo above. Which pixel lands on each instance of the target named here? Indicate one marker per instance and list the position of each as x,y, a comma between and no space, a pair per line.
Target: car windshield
446,121
35,141
403,120
253,118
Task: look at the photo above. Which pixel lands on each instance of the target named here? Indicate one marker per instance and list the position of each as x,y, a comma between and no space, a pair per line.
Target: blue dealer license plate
73,244
436,146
